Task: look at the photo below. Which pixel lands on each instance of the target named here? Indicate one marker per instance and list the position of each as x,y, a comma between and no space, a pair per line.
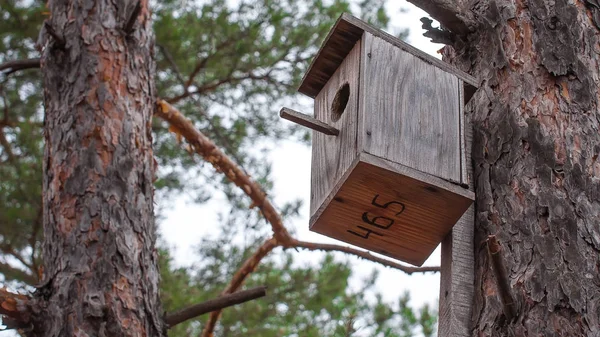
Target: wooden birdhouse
388,153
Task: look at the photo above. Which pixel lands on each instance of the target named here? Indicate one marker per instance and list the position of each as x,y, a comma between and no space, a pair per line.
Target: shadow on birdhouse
388,161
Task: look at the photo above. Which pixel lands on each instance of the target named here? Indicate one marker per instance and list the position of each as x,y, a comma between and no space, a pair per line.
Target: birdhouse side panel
457,276
336,105
409,111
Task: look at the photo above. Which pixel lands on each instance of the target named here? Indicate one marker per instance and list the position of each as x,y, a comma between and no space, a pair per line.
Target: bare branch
211,153
202,63
14,309
218,303
7,147
7,249
250,265
361,254
212,86
4,122
238,279
222,45
13,66
221,138
171,61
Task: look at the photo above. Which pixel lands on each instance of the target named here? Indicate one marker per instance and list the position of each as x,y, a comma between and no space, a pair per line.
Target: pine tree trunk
101,274
537,168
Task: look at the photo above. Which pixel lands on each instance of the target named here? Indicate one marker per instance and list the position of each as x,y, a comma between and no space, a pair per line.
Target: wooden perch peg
308,121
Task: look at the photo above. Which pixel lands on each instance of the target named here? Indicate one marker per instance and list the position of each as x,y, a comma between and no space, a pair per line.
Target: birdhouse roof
340,41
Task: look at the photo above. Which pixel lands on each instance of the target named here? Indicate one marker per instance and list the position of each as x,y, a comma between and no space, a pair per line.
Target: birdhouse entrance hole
339,102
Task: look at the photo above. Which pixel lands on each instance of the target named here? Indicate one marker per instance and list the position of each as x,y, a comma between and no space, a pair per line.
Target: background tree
245,60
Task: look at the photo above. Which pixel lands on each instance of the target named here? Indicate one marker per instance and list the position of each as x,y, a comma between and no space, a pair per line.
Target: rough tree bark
536,147
101,274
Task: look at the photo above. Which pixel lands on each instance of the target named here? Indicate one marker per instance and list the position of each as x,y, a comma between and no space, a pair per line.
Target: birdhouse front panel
388,164
336,105
409,110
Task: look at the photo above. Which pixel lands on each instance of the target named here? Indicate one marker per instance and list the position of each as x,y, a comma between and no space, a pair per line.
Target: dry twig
238,279
18,274
13,66
211,153
312,246
218,303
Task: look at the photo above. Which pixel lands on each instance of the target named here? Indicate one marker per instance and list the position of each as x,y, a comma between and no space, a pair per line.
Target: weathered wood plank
308,121
457,274
456,281
461,125
391,209
346,32
409,110
332,156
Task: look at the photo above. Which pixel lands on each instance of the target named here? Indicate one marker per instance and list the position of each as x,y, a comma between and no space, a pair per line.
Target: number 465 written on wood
384,222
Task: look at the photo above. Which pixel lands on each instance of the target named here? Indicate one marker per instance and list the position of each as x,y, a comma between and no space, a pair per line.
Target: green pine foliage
303,299
228,66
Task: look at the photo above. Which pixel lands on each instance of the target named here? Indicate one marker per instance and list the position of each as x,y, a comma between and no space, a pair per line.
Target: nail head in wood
308,121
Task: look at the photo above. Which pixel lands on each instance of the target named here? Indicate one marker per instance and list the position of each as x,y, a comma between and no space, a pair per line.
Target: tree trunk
537,172
101,274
